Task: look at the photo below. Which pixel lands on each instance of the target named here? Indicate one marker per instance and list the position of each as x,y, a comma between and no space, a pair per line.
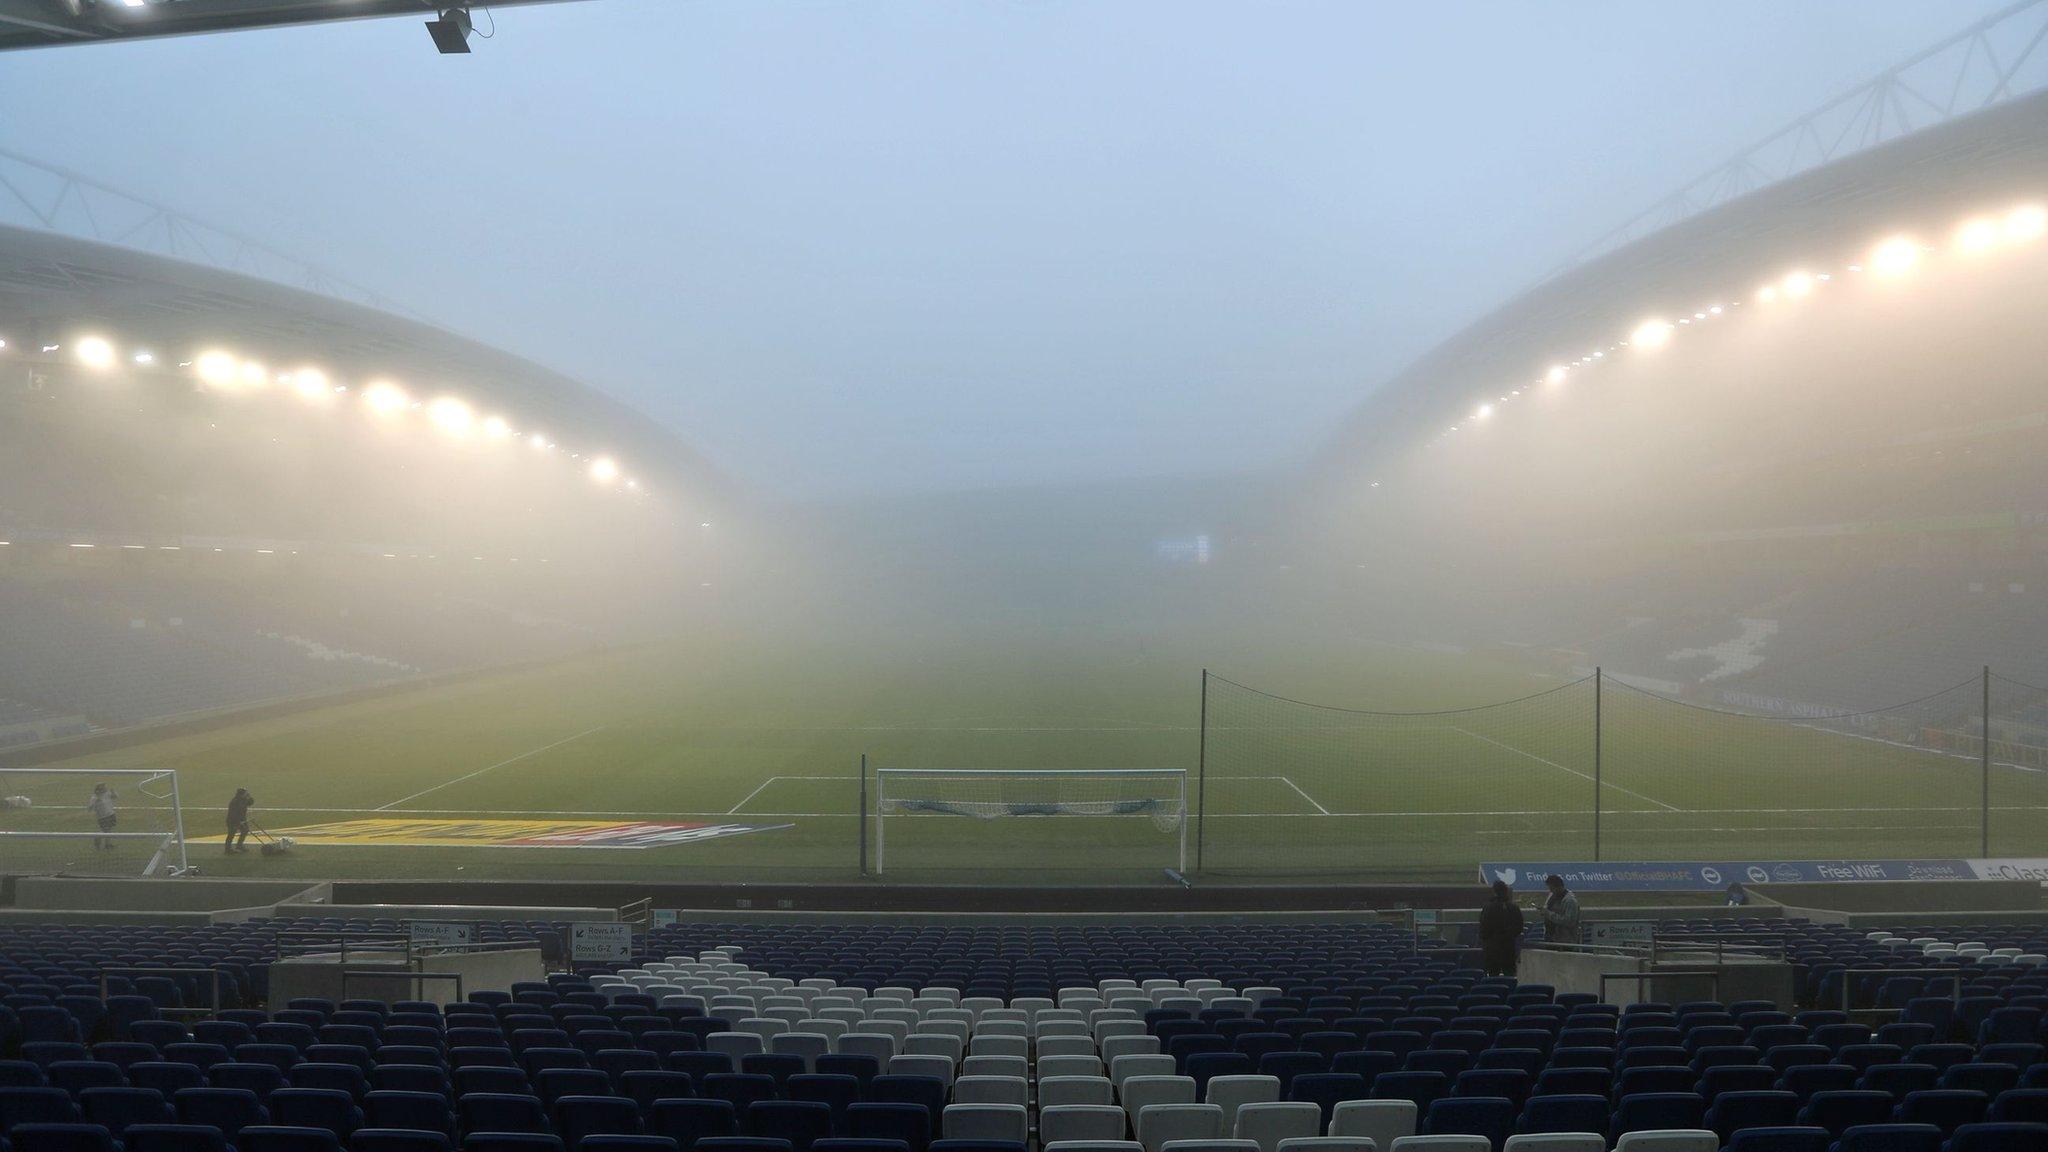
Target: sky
846,249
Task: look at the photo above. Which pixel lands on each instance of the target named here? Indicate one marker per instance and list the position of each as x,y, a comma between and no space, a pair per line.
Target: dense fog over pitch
864,249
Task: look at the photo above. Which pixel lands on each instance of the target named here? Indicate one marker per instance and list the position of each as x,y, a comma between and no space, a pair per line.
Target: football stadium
732,655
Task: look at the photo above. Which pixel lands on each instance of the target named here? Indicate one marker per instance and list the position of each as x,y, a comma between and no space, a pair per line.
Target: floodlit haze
874,248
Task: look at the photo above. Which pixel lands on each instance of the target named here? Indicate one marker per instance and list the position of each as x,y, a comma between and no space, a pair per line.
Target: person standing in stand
1500,930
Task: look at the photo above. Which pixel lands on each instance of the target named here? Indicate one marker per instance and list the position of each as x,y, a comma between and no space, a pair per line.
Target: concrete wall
69,893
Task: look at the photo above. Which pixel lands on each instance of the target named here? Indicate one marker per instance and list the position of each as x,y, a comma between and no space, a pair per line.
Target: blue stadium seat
553,1084
115,1109
645,1086
579,1116
1490,1116
744,1088
837,1093
1999,1137
399,1140
1839,1111
879,1120
801,1122
2019,1106
923,1091
1945,1108
35,1106
1328,1089
60,1138
22,1074
1564,1113
687,1121
282,1138
500,1112
419,1111
262,1079
1890,1138
1646,1110
413,1078
75,1076
499,1080
173,1138
1804,1080
1787,1139
1757,1109
333,1077
1424,1088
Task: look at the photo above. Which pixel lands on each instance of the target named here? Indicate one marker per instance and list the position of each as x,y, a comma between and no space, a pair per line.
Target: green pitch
771,739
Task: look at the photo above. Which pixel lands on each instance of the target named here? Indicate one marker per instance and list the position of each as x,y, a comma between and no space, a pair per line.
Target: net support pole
1597,677
1201,776
1984,835
860,818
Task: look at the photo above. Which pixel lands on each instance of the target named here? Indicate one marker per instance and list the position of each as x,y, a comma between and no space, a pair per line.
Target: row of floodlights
454,417
1890,259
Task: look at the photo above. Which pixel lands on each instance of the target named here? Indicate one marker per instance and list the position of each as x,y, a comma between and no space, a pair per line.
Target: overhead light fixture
451,31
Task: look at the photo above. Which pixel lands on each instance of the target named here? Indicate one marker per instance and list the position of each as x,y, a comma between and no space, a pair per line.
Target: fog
896,248
1027,334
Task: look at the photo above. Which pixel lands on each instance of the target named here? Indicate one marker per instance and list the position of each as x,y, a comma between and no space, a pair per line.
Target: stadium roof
1982,161
53,286
44,23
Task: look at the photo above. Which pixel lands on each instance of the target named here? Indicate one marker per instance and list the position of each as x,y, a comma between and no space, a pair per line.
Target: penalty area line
1305,796
492,768
1563,768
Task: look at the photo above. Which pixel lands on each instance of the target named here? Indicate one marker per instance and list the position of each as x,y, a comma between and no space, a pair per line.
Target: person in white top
101,805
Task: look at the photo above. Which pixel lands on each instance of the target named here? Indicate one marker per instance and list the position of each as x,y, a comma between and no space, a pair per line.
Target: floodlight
312,384
1894,257
385,398
144,358
1556,374
496,428
254,374
604,470
94,352
216,368
451,415
1650,335
1976,236
1798,284
538,441
1768,294
1482,412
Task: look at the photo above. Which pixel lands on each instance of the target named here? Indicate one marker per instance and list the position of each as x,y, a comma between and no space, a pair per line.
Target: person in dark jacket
238,820
1500,930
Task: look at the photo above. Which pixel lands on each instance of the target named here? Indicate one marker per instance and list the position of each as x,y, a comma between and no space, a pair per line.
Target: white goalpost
49,822
1129,811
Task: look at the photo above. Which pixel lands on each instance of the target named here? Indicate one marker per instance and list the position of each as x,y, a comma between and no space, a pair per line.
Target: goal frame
1179,776
169,858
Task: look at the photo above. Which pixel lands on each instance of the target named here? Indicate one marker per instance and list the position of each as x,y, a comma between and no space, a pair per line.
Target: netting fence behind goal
1051,819
1602,768
51,821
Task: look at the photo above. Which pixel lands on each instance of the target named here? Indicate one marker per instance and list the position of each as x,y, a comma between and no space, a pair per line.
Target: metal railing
1957,974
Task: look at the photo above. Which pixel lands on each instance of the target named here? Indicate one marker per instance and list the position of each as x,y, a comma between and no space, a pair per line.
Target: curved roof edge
1965,164
53,284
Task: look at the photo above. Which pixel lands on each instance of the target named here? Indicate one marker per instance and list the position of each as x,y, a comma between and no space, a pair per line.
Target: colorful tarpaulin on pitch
385,831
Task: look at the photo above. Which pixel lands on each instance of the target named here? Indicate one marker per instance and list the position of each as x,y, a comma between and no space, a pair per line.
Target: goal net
1087,819
50,822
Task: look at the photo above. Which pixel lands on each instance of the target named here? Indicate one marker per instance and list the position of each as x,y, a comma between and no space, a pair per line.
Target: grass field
772,739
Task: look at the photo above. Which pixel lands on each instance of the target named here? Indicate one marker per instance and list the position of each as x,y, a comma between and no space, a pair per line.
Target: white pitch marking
756,792
494,767
1562,768
1305,796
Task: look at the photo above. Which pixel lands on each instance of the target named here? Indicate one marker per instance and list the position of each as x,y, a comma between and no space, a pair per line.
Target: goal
47,825
1098,819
